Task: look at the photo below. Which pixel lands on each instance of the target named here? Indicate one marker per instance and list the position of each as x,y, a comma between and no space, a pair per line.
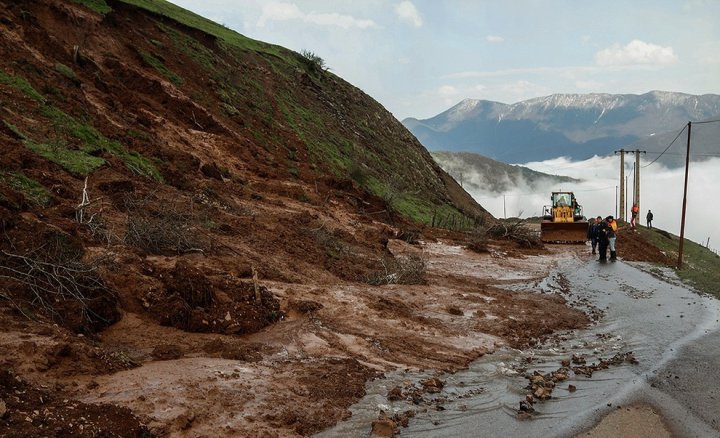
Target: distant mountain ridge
574,125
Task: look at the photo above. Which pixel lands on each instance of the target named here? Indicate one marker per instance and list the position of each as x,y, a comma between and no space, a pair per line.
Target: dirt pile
633,247
28,410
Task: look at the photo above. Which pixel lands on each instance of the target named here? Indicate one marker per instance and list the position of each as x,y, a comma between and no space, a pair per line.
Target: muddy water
642,313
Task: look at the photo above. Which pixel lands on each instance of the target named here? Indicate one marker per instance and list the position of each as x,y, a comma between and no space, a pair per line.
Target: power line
692,155
669,146
706,121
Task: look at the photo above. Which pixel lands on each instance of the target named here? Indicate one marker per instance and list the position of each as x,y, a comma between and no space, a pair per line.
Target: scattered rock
395,394
433,385
167,352
540,385
383,427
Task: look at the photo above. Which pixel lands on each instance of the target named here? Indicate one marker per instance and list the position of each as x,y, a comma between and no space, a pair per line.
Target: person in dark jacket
649,219
612,236
592,233
602,239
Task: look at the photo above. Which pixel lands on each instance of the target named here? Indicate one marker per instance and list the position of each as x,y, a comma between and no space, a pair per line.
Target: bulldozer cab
563,220
564,208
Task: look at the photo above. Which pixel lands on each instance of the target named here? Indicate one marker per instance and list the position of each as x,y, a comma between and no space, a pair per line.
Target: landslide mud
299,375
635,352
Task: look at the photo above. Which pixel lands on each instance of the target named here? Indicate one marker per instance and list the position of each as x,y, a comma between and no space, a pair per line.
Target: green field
701,266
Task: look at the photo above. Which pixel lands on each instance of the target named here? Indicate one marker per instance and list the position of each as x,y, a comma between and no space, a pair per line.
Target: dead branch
52,282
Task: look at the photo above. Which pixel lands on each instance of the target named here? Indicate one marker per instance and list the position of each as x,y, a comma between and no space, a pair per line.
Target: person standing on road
592,233
635,210
612,235
649,219
602,239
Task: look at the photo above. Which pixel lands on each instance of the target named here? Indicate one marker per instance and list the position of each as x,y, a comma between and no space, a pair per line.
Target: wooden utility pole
684,206
622,183
637,180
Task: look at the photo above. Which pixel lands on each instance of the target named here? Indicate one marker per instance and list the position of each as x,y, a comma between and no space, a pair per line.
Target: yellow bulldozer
563,221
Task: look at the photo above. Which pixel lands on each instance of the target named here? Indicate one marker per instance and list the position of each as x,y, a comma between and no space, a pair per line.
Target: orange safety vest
613,224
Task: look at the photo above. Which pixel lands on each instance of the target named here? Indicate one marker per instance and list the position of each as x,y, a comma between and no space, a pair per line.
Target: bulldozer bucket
563,232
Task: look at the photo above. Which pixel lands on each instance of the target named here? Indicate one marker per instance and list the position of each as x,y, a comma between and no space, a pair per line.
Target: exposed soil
630,246
246,290
298,375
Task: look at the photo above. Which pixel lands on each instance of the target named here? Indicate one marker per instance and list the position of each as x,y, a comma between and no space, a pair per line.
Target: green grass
74,161
21,84
190,19
701,267
65,71
155,63
93,141
98,6
32,190
80,161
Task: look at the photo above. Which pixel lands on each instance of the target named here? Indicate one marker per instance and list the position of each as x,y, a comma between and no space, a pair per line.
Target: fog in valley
661,190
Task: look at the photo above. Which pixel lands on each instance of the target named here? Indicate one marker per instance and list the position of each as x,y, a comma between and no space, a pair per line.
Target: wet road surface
673,332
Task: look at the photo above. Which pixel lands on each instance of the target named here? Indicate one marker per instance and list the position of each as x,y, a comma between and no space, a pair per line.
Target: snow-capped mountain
574,125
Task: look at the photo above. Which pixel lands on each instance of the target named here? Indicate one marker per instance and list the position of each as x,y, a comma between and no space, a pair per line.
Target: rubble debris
541,386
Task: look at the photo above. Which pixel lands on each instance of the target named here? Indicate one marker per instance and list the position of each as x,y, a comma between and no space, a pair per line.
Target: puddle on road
642,314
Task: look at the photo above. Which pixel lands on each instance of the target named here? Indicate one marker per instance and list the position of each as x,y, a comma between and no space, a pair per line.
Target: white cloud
494,39
636,52
447,91
408,13
277,11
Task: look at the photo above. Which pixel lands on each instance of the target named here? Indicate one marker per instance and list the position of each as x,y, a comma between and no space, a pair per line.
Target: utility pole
637,179
634,181
616,201
622,183
626,196
684,206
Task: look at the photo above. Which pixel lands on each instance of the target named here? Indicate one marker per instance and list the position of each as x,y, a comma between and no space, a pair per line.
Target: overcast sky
420,57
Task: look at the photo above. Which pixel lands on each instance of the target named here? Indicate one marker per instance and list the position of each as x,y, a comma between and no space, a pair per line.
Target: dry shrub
408,269
54,281
517,232
409,235
478,242
158,226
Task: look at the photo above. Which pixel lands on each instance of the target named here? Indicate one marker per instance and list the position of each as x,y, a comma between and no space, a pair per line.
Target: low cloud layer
636,52
661,190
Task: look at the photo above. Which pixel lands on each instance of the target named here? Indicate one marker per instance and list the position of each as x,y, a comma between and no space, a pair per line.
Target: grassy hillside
296,110
701,267
135,130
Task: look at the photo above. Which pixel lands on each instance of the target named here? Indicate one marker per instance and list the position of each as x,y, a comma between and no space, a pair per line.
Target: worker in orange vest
612,236
634,210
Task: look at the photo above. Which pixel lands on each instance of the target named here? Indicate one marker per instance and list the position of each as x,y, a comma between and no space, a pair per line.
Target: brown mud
242,290
299,375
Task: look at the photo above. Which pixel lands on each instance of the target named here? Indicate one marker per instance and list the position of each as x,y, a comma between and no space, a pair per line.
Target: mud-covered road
673,333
